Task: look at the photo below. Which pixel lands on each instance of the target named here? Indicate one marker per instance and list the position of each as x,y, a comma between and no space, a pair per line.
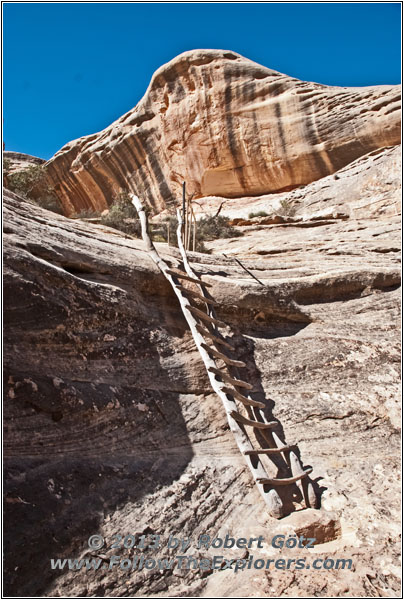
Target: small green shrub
161,232
123,215
172,223
24,182
208,229
213,228
286,209
50,202
32,183
260,213
6,165
87,213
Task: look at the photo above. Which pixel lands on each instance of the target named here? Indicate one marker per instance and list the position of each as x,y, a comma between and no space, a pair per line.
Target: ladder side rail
271,496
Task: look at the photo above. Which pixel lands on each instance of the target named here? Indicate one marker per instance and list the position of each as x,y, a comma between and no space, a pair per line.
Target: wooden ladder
243,413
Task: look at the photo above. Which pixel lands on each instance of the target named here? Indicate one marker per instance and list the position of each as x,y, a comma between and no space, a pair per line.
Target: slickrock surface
228,127
111,426
19,161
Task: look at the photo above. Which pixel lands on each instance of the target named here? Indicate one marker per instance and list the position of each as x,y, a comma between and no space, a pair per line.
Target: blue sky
71,69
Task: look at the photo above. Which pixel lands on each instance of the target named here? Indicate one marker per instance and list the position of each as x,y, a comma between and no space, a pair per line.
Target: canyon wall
228,127
110,424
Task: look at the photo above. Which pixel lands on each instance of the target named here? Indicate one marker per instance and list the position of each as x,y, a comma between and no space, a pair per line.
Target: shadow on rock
244,343
63,481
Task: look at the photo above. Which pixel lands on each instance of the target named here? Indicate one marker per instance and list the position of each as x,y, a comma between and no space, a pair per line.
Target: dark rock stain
313,137
233,146
207,120
138,171
119,174
144,172
249,94
153,161
99,180
281,133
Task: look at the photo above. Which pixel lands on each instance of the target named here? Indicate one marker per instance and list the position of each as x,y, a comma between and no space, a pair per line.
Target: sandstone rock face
17,161
228,127
368,187
110,426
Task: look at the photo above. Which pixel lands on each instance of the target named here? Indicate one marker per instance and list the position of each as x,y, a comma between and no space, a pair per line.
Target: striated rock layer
368,187
228,127
17,161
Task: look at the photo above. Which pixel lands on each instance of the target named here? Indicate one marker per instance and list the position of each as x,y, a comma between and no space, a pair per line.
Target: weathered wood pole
194,237
184,215
189,215
270,496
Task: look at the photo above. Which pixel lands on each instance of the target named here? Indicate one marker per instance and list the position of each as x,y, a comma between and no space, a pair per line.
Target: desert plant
172,223
208,229
168,228
25,181
122,215
32,183
6,165
260,213
286,209
6,171
213,228
50,202
87,213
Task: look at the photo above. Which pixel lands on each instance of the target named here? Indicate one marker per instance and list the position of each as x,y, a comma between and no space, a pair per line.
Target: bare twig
245,268
218,210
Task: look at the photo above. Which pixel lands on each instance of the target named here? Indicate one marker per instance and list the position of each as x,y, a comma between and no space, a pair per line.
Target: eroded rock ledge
228,127
110,425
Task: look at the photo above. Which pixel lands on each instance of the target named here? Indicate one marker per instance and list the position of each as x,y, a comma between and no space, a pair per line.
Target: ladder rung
286,481
196,295
182,275
268,450
243,399
257,424
202,315
228,379
214,338
223,357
